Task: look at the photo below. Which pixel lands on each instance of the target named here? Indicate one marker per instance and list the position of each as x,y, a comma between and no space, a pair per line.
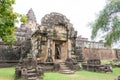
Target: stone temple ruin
52,48
55,37
54,43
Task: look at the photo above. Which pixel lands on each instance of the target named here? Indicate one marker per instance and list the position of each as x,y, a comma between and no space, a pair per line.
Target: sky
79,12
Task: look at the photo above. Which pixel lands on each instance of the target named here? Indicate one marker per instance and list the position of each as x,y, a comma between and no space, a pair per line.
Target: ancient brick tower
31,21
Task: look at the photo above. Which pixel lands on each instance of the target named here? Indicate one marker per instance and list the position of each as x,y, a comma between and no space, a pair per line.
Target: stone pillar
69,48
49,47
48,43
69,52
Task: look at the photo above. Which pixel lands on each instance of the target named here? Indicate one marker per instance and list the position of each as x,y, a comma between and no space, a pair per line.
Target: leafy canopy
8,18
108,23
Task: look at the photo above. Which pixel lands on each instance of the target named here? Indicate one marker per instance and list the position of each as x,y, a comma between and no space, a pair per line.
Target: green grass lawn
8,74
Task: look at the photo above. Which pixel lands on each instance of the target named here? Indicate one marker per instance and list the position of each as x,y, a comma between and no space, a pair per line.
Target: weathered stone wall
107,54
9,53
64,49
103,54
118,53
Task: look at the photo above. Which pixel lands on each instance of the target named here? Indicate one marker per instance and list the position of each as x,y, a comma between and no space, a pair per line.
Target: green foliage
108,23
23,18
8,18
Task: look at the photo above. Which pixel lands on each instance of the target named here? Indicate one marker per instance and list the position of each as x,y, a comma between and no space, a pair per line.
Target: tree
8,18
108,23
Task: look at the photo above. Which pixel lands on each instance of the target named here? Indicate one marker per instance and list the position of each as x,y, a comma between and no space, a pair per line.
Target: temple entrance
57,51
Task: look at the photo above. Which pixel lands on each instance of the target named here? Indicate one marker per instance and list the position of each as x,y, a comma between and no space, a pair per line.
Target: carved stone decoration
28,69
49,57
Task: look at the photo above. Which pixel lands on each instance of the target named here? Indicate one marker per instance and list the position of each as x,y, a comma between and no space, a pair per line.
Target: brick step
62,63
59,61
33,78
31,74
66,71
31,70
30,67
64,68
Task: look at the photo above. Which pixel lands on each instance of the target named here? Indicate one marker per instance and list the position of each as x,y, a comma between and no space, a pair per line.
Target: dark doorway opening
57,51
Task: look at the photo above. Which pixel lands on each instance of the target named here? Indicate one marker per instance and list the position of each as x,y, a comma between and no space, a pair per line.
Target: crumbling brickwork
103,54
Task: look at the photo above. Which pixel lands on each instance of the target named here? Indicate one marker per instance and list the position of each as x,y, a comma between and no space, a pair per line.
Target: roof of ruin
53,19
31,15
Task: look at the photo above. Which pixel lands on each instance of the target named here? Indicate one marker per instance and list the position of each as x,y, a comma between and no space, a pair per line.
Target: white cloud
80,12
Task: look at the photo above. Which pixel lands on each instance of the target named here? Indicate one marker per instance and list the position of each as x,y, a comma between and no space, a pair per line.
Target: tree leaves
7,21
108,23
23,19
8,18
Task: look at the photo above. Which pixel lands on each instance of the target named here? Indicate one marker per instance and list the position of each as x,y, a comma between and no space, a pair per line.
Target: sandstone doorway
57,51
